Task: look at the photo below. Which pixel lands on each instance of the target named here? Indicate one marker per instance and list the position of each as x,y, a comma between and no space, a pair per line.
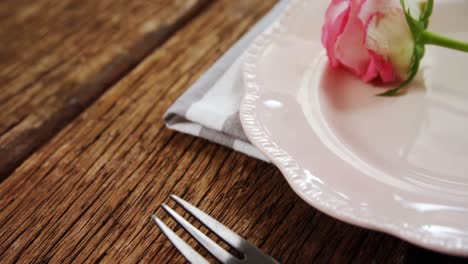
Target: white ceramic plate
398,165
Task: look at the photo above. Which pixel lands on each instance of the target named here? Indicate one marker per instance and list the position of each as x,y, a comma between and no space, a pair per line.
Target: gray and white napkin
210,107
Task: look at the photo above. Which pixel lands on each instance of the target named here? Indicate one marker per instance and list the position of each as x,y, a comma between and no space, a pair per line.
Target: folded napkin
210,107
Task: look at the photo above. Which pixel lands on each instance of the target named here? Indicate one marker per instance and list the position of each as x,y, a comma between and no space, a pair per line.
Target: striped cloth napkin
210,107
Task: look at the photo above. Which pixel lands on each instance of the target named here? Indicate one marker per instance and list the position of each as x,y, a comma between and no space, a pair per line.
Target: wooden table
85,158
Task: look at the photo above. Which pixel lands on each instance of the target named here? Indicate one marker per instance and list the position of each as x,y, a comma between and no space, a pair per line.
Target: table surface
85,158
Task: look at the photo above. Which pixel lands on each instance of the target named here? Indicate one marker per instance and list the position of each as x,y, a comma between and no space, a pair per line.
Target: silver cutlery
250,253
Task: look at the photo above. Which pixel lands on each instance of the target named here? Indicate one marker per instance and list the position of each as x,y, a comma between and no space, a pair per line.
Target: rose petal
372,7
349,48
389,36
380,69
336,18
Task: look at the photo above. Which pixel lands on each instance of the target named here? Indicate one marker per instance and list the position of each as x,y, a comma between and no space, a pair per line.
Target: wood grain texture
88,194
57,57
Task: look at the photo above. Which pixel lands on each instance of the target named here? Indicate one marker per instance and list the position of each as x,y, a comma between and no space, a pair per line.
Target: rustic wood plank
87,195
57,57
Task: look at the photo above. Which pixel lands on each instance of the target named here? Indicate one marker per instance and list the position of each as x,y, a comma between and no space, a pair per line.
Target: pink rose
370,38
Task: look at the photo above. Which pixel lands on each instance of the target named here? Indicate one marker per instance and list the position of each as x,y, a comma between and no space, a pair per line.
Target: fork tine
189,253
217,251
225,233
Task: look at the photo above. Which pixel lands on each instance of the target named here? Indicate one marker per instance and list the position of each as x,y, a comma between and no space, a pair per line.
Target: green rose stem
422,37
438,40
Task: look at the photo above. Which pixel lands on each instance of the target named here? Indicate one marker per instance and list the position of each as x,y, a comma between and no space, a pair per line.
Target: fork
250,253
